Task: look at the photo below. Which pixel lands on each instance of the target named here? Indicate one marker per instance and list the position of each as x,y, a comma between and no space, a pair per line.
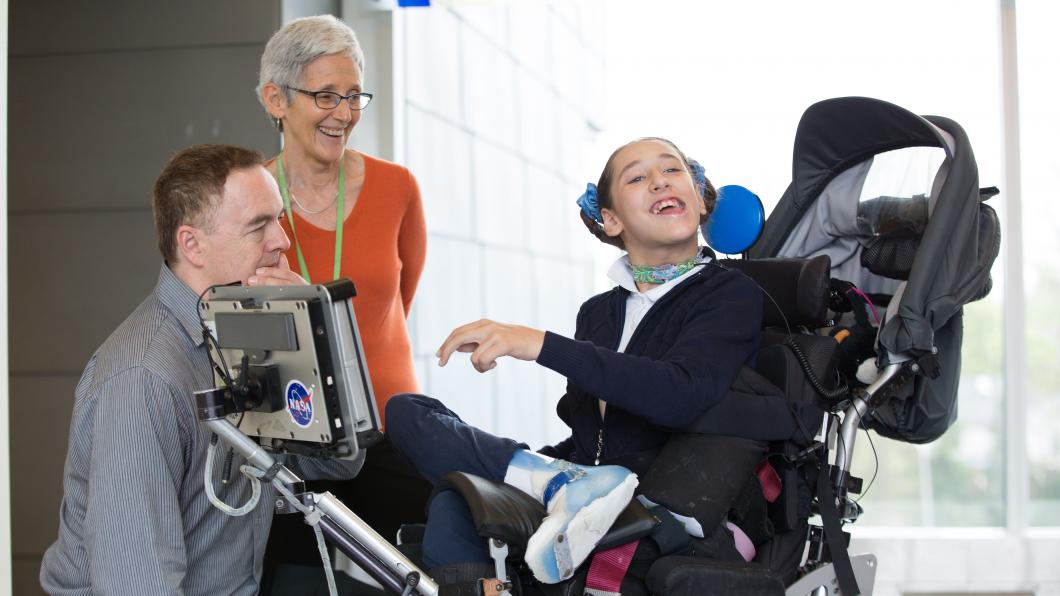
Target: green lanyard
339,212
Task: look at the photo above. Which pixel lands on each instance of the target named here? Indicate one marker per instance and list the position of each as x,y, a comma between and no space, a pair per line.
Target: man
135,518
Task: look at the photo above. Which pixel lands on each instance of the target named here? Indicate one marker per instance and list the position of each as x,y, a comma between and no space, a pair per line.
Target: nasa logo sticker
299,403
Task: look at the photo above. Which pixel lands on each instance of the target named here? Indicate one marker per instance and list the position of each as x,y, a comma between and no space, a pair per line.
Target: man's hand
489,340
280,275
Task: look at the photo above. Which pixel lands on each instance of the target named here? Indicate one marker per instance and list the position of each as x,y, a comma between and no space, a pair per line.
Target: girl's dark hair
603,192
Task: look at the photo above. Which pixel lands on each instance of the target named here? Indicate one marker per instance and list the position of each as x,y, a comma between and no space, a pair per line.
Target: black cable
227,472
780,311
832,394
209,338
876,460
226,468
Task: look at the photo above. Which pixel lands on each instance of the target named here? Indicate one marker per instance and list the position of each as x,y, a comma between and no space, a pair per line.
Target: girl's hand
489,340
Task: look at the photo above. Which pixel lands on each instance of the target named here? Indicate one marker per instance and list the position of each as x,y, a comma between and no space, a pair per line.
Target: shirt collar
176,296
621,272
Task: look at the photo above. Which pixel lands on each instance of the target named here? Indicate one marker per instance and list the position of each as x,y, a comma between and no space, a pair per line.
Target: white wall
5,455
497,134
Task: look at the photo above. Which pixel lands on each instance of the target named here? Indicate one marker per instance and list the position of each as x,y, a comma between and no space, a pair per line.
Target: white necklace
294,199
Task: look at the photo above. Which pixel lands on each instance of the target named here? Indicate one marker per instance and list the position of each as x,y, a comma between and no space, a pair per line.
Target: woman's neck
304,173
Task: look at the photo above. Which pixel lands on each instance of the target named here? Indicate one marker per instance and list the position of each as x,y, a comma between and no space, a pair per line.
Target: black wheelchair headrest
799,286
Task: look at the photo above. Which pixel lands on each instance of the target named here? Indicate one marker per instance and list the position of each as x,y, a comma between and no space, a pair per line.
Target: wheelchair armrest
508,514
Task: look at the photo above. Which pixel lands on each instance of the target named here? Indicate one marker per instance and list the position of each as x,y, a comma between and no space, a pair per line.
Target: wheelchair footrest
511,516
692,576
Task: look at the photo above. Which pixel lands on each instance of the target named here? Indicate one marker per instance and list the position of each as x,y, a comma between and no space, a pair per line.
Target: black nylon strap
833,535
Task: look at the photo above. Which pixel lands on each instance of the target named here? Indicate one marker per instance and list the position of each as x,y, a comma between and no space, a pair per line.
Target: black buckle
928,365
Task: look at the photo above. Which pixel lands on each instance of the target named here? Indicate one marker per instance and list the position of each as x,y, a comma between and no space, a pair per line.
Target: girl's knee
403,412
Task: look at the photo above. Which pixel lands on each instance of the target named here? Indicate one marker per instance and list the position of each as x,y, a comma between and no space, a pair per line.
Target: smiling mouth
669,206
331,132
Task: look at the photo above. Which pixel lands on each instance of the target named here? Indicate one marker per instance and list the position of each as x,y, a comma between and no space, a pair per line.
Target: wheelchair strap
608,569
833,535
769,480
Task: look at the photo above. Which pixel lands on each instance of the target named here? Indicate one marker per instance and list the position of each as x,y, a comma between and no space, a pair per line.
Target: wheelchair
827,259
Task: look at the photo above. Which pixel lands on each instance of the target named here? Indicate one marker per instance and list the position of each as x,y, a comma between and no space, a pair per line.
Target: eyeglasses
329,100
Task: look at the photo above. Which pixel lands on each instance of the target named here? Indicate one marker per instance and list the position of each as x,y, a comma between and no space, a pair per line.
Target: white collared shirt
639,303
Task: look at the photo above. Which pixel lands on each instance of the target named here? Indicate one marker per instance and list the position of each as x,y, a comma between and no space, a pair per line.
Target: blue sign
408,3
300,404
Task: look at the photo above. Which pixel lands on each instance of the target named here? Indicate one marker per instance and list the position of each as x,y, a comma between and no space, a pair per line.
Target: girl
648,357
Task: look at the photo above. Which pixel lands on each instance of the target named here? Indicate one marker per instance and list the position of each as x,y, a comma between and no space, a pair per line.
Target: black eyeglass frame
349,98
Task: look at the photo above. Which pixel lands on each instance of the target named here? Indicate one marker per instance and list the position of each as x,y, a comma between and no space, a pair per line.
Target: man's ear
275,100
612,224
189,245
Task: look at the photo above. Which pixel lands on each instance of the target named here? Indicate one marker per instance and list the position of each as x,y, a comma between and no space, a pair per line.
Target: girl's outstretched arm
489,340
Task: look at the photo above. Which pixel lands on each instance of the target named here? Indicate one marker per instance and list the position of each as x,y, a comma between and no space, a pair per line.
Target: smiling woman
348,215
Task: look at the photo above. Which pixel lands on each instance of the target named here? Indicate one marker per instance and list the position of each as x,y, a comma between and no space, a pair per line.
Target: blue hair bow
588,203
699,175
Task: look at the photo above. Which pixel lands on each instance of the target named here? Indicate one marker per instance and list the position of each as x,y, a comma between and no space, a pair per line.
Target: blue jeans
437,442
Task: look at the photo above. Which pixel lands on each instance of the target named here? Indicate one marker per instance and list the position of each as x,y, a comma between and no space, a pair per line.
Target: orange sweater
384,244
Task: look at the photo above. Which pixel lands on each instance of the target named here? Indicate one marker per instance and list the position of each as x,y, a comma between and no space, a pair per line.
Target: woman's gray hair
300,42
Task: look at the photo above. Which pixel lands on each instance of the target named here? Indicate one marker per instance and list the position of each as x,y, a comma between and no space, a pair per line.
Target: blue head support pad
736,222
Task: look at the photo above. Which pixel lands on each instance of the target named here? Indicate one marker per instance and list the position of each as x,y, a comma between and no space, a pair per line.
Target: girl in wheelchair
648,357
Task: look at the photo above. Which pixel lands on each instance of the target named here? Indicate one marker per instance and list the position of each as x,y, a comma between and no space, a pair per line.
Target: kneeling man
135,518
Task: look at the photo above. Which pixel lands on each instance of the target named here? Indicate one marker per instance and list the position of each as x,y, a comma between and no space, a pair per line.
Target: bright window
728,82
1039,49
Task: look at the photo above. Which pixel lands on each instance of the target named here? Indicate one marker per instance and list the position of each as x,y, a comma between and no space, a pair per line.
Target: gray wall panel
141,80
69,26
40,415
74,277
24,571
104,149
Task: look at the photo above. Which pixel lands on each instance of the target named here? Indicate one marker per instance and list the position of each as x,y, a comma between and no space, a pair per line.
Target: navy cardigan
680,361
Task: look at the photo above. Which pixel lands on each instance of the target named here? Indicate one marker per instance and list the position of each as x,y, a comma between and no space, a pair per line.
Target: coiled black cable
830,394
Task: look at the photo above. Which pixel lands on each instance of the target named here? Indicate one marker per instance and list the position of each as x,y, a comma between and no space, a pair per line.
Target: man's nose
279,240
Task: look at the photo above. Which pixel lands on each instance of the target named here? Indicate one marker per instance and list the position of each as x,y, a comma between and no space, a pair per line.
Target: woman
348,215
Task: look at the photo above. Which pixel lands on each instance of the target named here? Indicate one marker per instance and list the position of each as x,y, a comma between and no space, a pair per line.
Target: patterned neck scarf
661,274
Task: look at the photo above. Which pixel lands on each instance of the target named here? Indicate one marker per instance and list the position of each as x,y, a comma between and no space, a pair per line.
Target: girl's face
656,206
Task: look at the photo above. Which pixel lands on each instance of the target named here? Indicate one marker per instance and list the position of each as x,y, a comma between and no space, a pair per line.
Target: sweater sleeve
715,339
412,244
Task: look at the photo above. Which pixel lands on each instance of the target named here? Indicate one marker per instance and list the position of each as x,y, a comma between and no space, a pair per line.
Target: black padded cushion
508,514
890,256
754,408
778,364
499,510
692,576
799,286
